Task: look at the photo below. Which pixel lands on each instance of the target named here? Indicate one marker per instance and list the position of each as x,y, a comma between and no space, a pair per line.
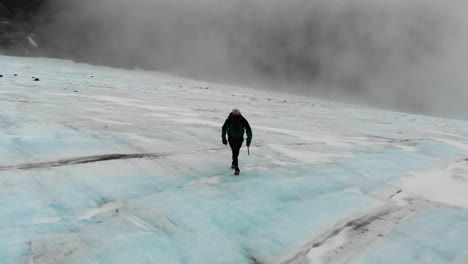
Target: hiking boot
233,166
237,172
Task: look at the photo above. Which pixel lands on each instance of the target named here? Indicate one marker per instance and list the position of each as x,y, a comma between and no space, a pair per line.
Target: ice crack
82,160
341,243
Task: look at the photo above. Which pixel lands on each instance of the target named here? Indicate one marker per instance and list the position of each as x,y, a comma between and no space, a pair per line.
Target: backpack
236,123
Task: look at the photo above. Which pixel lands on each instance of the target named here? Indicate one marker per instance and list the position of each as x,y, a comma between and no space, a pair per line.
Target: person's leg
236,146
235,153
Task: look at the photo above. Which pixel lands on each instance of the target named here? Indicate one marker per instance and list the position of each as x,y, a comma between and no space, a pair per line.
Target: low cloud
408,55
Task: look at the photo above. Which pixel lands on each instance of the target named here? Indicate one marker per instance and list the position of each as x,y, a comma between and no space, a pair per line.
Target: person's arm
224,131
248,129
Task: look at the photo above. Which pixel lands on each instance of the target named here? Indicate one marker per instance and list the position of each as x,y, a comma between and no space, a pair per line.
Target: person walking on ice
234,127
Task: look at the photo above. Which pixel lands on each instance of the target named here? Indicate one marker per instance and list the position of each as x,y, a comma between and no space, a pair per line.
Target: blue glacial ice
314,165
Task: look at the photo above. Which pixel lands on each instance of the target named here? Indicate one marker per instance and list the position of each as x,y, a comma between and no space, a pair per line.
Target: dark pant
236,145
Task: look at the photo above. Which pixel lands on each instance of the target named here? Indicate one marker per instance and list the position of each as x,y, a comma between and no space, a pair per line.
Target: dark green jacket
228,128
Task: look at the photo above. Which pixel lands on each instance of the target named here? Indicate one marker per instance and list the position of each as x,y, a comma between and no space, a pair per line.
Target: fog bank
408,55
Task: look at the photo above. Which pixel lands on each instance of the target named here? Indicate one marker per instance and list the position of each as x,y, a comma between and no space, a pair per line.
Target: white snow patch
168,225
447,134
197,121
108,207
454,143
113,122
162,115
137,221
400,199
316,255
138,137
407,148
277,162
447,186
305,156
311,137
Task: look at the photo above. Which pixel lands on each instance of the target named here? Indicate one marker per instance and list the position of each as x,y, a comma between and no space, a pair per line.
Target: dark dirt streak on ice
23,101
99,158
109,157
362,230
253,260
391,196
394,140
80,160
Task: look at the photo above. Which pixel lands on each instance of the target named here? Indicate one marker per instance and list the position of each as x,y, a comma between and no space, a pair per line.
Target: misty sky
408,55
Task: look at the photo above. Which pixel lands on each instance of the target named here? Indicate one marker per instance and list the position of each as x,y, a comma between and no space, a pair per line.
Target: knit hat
236,111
